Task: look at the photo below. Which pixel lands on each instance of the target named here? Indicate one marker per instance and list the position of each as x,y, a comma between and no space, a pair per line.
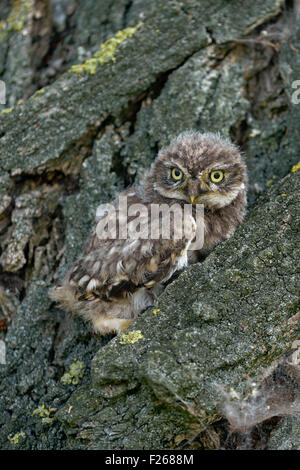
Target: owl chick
119,275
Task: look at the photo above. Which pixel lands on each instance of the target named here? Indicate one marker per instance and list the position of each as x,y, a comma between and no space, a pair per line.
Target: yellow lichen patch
44,413
16,437
17,17
156,311
7,110
106,52
39,92
132,337
75,373
296,167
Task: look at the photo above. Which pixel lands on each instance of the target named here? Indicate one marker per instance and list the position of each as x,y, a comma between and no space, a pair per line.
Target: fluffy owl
118,276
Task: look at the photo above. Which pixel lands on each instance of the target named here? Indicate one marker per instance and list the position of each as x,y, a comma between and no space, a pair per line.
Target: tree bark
87,110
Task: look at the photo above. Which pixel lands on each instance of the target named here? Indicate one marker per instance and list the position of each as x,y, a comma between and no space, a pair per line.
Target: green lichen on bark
107,51
74,374
17,17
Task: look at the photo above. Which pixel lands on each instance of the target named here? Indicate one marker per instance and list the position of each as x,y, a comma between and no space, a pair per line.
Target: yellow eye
217,176
176,174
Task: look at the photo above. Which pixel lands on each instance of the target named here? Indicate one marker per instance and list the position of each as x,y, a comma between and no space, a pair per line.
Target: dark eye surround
176,174
216,176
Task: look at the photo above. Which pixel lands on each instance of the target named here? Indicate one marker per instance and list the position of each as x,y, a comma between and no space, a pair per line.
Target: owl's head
200,169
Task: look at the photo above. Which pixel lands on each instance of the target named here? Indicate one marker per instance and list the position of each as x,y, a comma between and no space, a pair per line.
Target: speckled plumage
116,279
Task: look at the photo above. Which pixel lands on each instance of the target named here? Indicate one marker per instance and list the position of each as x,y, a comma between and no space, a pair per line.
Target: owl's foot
125,324
104,325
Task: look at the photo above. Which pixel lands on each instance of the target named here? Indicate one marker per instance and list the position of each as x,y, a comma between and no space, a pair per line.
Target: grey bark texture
87,109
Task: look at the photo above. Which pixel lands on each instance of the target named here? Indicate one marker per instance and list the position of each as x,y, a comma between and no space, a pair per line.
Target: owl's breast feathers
115,268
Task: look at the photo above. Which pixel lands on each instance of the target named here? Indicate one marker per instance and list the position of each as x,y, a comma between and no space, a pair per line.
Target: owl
128,257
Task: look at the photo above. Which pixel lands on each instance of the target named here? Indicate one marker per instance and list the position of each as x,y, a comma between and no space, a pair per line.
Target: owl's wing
114,267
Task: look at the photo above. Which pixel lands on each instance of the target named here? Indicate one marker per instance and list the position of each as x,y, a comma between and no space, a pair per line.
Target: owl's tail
104,318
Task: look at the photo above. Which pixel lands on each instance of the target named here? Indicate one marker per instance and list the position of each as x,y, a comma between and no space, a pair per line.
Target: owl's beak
193,190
